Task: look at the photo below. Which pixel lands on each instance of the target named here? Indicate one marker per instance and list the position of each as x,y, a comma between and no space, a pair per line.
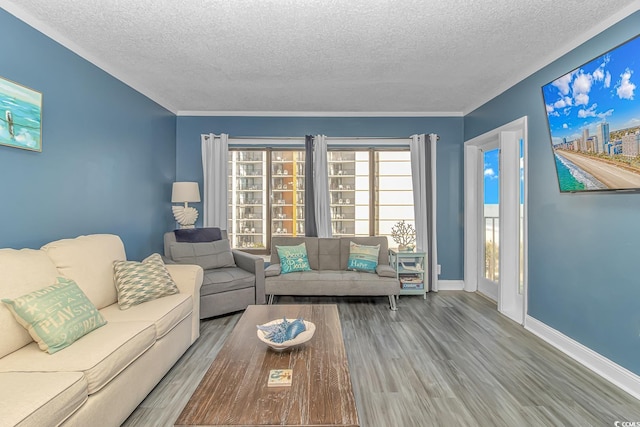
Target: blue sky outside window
491,177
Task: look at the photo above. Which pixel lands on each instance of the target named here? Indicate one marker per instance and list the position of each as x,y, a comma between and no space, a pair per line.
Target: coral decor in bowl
300,338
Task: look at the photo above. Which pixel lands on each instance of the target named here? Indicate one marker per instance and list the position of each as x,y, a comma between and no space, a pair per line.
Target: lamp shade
185,192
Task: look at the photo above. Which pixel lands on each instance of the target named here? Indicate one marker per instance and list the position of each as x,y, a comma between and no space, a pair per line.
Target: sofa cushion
165,313
328,253
23,271
138,282
40,398
56,315
207,255
88,260
331,283
226,279
363,257
293,258
100,355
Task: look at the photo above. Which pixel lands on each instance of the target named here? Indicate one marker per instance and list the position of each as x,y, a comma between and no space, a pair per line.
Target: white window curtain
423,167
215,152
321,186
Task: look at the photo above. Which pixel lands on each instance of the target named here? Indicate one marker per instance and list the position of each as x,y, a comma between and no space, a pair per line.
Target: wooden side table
409,267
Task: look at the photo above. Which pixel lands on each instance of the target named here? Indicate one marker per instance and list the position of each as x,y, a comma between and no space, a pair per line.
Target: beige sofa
101,378
329,276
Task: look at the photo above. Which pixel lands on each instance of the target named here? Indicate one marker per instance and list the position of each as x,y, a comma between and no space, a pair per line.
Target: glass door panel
491,209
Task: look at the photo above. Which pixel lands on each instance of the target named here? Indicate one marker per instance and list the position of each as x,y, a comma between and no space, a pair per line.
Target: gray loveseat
329,275
236,282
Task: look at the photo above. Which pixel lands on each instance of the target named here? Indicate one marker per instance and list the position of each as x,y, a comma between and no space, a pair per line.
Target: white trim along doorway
510,287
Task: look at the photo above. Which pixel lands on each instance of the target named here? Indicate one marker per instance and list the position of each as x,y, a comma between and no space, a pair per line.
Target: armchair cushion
208,255
226,279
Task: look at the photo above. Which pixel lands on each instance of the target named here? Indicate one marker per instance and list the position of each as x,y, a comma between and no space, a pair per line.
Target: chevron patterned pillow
137,282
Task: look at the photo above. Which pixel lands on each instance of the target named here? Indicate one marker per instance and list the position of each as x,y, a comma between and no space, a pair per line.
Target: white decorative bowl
302,337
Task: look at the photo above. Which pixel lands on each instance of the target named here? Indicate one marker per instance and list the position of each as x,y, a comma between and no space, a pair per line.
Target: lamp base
185,216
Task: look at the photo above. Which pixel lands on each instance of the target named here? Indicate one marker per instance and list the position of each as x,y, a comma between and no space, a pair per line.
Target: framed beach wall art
593,114
20,116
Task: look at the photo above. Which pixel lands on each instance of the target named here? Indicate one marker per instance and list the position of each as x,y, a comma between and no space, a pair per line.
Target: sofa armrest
272,270
253,264
188,278
385,271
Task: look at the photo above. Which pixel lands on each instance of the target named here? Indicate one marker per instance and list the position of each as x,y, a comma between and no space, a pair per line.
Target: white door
495,217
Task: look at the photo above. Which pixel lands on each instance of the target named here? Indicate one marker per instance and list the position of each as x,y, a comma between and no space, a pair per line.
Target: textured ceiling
332,56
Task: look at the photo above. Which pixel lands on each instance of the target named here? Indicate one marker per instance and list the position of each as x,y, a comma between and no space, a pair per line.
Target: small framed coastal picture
20,116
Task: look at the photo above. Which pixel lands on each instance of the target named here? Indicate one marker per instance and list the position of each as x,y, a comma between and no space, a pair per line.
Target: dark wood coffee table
234,390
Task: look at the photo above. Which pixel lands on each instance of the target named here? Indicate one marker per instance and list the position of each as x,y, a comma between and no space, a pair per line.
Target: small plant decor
404,235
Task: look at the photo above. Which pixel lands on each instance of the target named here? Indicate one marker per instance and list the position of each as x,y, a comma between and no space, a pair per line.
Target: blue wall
583,248
449,161
108,156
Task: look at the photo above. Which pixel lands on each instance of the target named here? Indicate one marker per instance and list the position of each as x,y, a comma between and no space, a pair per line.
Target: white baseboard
450,285
616,374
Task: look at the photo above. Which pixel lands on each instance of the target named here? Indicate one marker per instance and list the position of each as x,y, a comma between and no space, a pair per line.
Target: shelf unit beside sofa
409,267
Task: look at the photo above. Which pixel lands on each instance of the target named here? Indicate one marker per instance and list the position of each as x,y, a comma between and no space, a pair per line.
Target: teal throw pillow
57,315
293,258
363,258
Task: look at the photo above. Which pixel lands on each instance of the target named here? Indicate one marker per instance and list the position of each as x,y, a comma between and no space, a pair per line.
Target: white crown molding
24,15
561,51
614,373
319,114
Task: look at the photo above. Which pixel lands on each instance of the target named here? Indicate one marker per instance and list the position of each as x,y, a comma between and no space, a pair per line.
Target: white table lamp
185,192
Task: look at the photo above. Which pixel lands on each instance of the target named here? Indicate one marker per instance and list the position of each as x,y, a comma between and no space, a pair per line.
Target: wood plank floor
447,361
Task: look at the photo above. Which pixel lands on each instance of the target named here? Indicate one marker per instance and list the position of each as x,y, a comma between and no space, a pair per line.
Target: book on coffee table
280,377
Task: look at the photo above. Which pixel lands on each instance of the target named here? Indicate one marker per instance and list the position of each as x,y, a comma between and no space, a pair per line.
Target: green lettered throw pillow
293,258
363,258
137,282
57,315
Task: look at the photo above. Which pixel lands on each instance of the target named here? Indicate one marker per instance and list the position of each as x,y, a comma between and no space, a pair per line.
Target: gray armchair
232,279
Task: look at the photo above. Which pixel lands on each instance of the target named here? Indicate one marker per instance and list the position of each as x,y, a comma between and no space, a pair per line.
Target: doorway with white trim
495,217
